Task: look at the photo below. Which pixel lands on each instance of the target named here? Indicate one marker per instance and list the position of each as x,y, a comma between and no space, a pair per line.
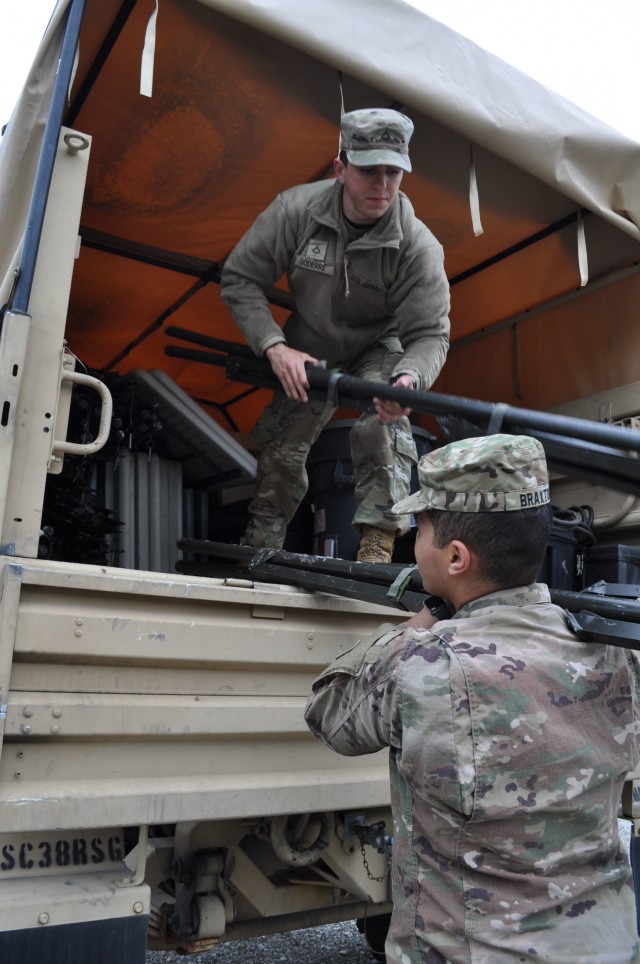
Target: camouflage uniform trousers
383,457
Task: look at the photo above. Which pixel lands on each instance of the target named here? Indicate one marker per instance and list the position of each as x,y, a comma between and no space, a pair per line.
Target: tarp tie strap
400,583
341,111
583,262
474,198
497,418
148,55
333,398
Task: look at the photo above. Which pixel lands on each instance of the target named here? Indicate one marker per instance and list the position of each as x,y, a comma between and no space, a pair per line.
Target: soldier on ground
371,299
509,737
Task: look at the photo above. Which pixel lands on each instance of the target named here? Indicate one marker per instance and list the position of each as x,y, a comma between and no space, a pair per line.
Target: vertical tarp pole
48,152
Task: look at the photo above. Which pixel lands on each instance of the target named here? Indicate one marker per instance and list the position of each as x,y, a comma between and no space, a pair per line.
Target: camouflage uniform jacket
389,285
509,742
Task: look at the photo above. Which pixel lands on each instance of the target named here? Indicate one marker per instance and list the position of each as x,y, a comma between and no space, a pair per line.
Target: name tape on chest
315,256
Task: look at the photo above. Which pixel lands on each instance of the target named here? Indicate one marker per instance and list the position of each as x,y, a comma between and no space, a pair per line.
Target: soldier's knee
369,436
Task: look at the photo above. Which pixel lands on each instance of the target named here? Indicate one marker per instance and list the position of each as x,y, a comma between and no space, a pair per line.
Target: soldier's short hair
510,546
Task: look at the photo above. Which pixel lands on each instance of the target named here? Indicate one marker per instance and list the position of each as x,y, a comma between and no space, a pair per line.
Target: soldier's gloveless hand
288,365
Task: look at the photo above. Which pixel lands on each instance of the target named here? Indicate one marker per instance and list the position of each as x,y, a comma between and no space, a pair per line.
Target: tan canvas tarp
246,101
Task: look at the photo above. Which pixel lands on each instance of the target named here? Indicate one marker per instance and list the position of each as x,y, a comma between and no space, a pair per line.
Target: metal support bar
47,159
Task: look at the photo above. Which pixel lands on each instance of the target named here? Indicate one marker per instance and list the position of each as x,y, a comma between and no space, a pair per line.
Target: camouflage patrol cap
496,473
376,135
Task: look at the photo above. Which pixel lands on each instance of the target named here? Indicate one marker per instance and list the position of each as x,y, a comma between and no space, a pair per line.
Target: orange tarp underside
237,116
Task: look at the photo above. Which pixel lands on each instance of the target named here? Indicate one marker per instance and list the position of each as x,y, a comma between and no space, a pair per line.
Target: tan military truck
157,782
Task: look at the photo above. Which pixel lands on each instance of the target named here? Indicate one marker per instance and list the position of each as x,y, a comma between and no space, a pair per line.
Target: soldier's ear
339,169
460,559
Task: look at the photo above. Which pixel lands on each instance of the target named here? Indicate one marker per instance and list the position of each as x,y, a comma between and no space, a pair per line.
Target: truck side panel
135,700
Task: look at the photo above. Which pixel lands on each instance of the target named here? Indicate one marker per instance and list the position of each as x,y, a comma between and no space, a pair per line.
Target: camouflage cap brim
497,473
412,504
385,156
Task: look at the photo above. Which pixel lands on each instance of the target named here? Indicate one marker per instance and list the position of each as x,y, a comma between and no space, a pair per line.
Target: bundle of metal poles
601,613
391,585
597,452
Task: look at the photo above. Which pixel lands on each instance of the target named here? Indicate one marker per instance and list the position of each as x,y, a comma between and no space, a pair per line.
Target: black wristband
437,607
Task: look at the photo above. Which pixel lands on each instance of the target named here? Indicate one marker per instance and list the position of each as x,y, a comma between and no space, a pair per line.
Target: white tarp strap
342,111
148,55
583,262
474,198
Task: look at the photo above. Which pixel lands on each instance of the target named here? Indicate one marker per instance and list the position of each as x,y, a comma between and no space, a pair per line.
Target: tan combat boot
376,545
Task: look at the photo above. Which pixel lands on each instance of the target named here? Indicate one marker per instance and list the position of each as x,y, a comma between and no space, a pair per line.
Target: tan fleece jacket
388,286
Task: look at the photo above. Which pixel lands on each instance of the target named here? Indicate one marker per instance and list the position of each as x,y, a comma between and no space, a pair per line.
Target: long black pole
597,464
348,388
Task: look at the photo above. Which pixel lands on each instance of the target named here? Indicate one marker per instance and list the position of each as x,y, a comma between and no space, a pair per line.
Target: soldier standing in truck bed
371,299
